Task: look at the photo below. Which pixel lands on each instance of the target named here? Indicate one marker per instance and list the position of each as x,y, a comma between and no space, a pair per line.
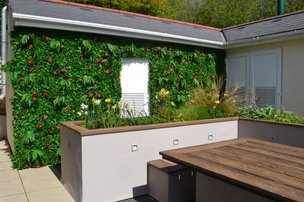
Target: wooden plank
277,148
281,156
290,182
274,164
262,185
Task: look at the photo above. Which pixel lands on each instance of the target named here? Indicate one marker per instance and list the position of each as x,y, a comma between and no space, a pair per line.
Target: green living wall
53,72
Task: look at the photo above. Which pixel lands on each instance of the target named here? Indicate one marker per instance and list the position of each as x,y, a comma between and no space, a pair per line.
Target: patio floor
29,185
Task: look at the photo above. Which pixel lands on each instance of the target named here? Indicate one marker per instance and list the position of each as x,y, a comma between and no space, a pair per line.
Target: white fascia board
80,26
294,34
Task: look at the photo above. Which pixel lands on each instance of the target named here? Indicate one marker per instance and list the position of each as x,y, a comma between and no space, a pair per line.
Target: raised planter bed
99,165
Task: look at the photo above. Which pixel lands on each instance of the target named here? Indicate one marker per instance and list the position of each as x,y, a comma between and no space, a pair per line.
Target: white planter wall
108,170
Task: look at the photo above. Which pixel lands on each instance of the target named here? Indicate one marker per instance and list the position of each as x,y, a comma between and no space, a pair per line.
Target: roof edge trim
72,25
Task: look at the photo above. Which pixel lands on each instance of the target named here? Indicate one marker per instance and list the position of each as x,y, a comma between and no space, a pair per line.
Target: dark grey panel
271,26
54,10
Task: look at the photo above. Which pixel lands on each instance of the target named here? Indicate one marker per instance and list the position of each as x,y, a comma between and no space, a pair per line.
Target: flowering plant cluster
52,73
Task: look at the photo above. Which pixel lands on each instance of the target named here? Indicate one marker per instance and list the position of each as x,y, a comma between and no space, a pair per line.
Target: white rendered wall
111,171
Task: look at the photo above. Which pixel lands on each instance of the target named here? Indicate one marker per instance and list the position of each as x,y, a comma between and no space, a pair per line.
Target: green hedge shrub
53,72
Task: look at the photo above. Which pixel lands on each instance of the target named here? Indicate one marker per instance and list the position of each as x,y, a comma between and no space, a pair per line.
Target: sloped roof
92,14
58,14
266,27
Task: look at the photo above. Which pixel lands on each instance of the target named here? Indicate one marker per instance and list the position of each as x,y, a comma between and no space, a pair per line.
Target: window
134,85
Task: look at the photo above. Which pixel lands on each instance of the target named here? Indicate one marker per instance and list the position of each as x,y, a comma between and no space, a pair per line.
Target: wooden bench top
166,166
271,169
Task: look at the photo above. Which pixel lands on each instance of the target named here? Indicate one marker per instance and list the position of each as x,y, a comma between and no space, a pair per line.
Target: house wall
9,89
292,70
111,171
2,124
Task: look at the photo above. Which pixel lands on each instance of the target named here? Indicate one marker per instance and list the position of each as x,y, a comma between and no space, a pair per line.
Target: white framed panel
134,84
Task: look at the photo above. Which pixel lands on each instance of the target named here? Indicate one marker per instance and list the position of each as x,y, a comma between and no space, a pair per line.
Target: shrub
192,112
271,114
213,97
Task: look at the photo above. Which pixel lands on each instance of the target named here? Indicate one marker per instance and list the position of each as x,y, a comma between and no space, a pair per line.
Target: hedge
53,72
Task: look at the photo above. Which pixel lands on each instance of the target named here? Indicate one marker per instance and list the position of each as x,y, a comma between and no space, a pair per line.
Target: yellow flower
163,90
225,94
214,107
114,106
217,102
233,101
108,100
172,104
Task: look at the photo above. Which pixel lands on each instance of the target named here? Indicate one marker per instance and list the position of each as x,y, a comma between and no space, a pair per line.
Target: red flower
35,93
31,37
64,70
170,49
45,94
48,146
54,72
169,71
98,96
45,117
90,67
34,99
26,165
31,69
106,54
81,57
80,79
107,71
67,107
212,76
158,48
183,61
40,127
70,79
177,86
102,61
38,166
91,94
31,46
50,60
21,78
195,76
30,62
51,132
147,49
58,127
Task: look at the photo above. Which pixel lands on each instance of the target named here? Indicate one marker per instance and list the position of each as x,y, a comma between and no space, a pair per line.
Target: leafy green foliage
271,114
54,72
192,112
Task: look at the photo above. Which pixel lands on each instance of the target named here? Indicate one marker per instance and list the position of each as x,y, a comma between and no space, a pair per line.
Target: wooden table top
271,169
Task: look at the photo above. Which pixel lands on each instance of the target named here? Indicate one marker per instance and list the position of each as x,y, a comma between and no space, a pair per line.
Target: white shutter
134,85
265,96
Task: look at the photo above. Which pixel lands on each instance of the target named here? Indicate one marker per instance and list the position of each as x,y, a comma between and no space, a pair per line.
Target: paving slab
11,188
36,179
56,194
9,175
14,198
7,165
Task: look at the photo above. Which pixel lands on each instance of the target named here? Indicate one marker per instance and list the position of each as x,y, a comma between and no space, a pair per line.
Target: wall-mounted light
175,141
210,137
134,147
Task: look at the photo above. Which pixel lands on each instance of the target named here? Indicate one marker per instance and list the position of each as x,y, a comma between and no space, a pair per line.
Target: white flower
86,113
79,113
97,102
83,106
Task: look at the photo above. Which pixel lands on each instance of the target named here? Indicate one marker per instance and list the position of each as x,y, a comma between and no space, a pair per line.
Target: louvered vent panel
265,96
135,102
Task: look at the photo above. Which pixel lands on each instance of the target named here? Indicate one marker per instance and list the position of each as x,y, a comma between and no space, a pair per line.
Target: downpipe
3,51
